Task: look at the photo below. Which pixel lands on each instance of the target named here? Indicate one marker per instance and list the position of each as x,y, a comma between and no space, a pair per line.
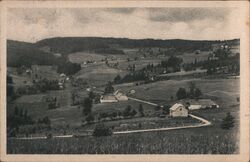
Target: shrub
87,105
133,112
181,93
102,130
90,118
127,110
141,110
49,136
227,122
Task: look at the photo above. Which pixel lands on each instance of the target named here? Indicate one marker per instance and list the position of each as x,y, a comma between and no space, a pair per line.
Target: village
140,91
152,78
116,101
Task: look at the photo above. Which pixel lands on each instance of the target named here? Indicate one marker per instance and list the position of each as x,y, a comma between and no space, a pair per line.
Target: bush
102,130
49,136
109,88
181,93
87,105
141,110
90,118
227,122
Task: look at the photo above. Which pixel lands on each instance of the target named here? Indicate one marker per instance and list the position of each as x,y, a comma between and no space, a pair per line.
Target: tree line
192,93
150,70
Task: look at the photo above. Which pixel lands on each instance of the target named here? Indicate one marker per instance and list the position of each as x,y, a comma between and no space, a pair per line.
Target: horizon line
110,37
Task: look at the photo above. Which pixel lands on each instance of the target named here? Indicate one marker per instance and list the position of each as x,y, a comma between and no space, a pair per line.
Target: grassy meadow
160,92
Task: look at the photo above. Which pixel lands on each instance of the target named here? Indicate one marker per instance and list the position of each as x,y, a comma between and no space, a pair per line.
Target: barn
120,96
178,110
196,104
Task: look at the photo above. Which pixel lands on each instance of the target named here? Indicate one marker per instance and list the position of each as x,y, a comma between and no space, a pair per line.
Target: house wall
179,113
107,101
194,107
122,98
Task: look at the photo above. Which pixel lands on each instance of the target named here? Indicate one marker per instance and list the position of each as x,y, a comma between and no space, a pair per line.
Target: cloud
33,16
187,14
159,23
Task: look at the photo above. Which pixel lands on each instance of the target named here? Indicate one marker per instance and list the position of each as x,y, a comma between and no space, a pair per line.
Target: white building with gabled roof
178,110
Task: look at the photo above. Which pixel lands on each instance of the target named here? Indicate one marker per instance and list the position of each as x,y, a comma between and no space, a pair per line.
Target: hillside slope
23,53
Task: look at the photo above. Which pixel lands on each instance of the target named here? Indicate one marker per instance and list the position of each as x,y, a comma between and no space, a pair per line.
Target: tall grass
141,143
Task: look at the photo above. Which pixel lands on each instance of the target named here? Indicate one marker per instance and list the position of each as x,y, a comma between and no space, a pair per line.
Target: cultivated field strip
204,123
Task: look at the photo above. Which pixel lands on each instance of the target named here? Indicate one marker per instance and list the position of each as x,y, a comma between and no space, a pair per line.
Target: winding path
146,102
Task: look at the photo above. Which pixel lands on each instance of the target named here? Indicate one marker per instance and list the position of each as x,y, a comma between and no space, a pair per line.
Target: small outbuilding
108,98
194,107
178,110
208,103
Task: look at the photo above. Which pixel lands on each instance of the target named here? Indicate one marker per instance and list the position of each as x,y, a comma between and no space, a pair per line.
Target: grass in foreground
193,141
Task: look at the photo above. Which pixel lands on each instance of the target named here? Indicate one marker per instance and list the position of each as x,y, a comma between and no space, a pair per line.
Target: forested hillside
22,53
67,45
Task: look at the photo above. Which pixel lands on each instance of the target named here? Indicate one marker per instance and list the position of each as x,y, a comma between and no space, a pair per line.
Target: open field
21,80
48,72
120,106
37,106
71,115
152,123
99,74
141,123
160,92
139,64
80,57
190,57
24,79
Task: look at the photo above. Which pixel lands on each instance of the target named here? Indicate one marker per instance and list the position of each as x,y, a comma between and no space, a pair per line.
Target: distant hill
24,53
66,45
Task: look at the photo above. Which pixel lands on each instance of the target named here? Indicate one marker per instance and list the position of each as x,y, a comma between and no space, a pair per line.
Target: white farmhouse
178,110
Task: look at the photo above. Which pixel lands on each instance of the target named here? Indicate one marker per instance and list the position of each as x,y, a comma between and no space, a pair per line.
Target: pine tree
141,110
228,122
87,105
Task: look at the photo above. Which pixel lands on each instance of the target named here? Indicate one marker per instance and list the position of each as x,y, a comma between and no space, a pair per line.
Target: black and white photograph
124,80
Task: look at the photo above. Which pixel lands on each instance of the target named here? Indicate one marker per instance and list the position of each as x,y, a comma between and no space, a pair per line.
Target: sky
33,24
